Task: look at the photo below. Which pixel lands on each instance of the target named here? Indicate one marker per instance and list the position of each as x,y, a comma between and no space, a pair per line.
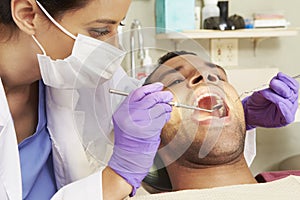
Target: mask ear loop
39,45
55,22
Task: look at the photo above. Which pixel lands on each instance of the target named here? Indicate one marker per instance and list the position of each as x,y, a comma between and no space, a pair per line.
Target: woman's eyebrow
103,21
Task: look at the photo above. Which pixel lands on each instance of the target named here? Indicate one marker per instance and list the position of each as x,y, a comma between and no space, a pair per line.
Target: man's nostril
212,78
197,80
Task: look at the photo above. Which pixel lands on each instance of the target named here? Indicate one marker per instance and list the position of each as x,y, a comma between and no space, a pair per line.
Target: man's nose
205,77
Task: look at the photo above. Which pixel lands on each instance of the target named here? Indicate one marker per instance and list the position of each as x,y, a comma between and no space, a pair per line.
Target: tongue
208,103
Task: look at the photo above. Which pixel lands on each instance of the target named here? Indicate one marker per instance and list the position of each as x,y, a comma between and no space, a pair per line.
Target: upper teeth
222,111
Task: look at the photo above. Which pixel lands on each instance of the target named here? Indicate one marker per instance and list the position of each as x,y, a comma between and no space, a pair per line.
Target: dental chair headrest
157,179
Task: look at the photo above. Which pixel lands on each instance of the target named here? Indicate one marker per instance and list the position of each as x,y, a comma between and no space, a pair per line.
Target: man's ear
24,13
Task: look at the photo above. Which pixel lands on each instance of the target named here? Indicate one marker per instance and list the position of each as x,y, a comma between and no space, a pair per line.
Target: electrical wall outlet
224,52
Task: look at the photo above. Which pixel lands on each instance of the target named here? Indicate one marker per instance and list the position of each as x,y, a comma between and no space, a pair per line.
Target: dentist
55,111
43,147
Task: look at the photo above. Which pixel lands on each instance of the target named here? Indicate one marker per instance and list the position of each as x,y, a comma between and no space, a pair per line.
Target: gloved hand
275,106
137,126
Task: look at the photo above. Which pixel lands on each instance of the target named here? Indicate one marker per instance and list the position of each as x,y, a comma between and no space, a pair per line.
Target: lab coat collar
10,172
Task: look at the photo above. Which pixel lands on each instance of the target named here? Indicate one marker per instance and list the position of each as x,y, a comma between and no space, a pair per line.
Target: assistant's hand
275,106
137,126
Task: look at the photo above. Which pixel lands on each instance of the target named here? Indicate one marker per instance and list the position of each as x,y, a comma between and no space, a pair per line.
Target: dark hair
55,7
173,54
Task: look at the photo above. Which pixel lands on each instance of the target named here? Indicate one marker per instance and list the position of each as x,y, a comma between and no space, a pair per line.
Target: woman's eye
175,82
96,33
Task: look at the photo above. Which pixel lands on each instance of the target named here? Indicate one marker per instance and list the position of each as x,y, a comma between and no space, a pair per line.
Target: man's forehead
186,63
185,60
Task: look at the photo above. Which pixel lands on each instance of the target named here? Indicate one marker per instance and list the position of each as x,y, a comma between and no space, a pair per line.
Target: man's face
199,137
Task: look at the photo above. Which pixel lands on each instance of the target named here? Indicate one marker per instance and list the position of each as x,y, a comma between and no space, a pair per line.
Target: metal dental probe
298,76
175,104
264,86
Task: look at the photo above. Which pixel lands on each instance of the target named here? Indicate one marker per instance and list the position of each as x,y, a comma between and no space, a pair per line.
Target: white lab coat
73,157
10,172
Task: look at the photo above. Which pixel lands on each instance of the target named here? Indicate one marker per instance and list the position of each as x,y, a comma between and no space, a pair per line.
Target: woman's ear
24,13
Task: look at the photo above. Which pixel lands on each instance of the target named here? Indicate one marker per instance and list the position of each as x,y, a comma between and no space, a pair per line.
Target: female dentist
44,149
41,144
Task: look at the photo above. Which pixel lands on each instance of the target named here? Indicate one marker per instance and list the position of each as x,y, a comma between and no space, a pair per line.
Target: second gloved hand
275,106
137,126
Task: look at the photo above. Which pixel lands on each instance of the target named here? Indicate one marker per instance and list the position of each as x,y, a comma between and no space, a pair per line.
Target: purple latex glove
137,126
275,106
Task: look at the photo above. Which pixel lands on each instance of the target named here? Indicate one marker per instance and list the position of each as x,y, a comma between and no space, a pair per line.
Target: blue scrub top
38,181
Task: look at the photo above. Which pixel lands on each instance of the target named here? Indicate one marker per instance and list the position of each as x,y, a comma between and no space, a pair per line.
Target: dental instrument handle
265,86
297,76
175,104
118,92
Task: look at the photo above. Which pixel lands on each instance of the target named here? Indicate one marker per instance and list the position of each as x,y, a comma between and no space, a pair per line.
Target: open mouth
213,102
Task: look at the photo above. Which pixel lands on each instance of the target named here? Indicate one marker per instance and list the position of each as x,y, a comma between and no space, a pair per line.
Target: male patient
203,148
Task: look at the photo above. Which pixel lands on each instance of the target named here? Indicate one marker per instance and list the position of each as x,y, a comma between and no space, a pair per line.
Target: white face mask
91,63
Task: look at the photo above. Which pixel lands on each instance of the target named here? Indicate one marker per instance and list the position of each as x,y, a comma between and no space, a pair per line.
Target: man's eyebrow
171,71
211,65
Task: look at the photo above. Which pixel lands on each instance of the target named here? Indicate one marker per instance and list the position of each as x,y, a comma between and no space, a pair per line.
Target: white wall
273,145
276,52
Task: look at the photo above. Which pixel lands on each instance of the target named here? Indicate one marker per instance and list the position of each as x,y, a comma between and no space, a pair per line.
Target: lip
211,121
215,118
210,90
